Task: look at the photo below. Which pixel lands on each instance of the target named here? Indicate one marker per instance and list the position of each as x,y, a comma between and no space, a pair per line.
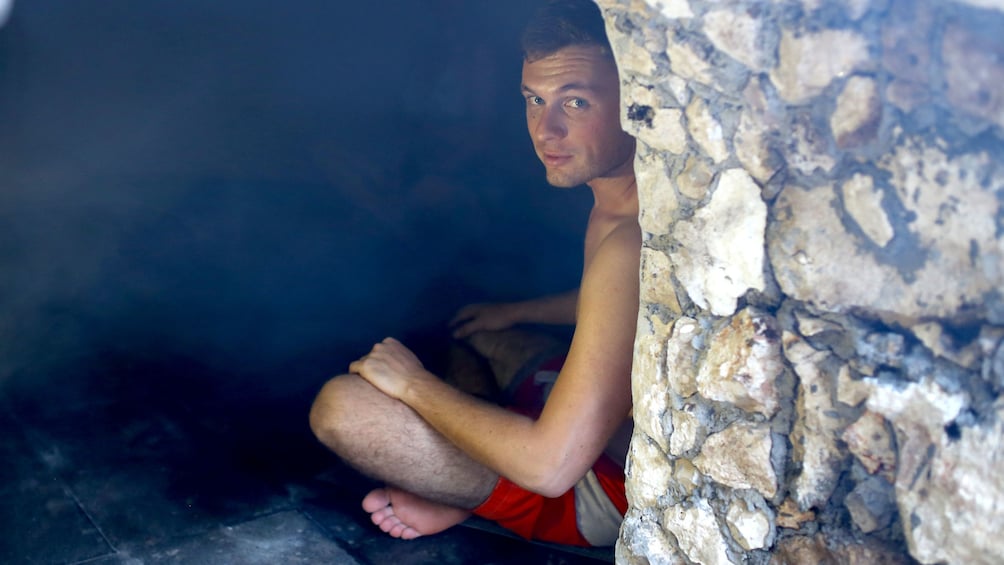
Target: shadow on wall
264,188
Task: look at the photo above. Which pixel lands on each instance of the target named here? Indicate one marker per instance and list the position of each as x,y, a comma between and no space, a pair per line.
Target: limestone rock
948,488
737,34
739,457
695,178
666,131
871,504
870,441
651,389
851,391
696,530
706,130
817,425
856,118
789,516
685,62
743,363
750,527
677,9
649,474
808,63
974,71
721,247
686,429
934,337
864,203
657,279
681,357
656,197
807,148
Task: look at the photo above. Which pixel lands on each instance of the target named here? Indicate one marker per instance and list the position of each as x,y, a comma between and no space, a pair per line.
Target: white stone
739,457
742,364
679,87
855,121
656,198
864,203
950,492
705,130
631,59
696,530
684,62
817,429
736,34
656,279
674,9
650,385
974,72
870,441
681,357
686,427
809,63
649,473
751,528
721,250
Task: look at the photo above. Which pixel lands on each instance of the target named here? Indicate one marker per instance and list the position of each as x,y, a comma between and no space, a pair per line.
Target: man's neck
616,195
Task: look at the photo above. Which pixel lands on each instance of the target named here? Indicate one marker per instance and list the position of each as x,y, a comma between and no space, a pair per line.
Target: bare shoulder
617,251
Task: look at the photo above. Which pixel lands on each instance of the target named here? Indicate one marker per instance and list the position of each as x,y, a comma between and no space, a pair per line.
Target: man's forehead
575,67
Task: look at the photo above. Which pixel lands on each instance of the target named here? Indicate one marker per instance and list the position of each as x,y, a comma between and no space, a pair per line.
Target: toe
376,499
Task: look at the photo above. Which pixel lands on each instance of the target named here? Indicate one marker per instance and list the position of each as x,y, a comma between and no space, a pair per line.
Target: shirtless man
444,454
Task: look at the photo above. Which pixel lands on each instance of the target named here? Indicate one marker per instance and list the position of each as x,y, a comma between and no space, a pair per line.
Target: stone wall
819,357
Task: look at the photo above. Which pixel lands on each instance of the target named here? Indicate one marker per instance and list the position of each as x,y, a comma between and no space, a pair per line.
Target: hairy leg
385,439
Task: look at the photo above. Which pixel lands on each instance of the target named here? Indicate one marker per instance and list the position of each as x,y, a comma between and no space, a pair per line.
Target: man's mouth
554,159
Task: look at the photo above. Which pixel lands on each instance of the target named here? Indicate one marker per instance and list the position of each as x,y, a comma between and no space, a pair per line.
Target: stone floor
133,463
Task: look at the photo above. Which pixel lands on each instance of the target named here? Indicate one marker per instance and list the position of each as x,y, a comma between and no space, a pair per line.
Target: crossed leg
432,485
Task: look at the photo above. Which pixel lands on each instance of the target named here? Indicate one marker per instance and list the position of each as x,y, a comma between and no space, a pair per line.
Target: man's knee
332,417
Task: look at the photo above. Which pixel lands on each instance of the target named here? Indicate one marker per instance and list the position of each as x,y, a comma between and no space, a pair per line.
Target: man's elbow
552,481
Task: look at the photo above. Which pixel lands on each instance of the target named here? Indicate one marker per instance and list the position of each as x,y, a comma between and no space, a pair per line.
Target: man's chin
562,181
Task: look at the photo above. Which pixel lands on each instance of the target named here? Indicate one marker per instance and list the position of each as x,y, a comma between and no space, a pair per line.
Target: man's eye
577,103
535,100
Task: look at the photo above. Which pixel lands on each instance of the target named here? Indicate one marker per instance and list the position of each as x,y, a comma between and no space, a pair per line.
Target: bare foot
407,516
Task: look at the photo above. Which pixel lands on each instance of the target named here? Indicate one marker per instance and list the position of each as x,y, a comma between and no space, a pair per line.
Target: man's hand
389,367
479,317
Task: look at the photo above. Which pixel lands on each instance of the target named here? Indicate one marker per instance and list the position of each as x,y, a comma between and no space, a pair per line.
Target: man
552,474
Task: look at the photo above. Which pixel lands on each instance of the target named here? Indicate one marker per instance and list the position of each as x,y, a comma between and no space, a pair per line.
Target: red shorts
591,509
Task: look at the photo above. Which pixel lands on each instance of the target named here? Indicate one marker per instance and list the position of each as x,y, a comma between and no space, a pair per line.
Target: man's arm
555,309
590,400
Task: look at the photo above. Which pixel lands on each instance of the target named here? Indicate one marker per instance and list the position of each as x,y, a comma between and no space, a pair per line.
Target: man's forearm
556,309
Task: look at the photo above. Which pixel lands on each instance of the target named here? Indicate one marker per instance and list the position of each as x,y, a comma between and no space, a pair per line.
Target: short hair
564,23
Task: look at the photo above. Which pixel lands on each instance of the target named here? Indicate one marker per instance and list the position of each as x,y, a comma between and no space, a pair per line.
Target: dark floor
132,463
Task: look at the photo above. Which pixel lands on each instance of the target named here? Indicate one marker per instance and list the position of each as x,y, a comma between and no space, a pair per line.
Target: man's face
573,114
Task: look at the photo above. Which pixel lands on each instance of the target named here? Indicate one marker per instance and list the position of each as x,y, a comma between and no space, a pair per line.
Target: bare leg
433,482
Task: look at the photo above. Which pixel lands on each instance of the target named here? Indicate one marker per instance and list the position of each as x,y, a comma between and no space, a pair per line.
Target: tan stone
737,33
807,149
870,441
686,428
739,457
817,428
705,130
809,62
656,196
685,62
743,363
696,530
809,325
667,132
656,279
695,178
650,385
791,517
933,336
856,119
649,474
800,550
851,391
864,203
721,247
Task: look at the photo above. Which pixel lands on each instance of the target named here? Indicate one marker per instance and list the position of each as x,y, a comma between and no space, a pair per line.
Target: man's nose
550,124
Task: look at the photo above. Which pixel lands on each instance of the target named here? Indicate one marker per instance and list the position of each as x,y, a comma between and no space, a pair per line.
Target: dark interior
209,208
